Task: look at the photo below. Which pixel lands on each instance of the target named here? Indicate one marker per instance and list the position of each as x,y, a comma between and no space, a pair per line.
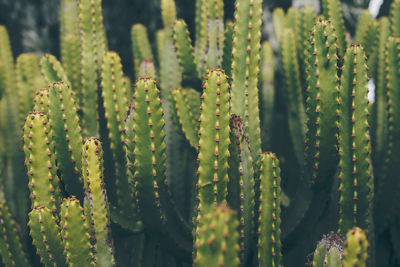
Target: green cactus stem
140,46
28,80
184,114
67,137
146,68
268,91
7,78
93,48
293,92
333,11
319,256
116,105
217,238
75,234
252,117
146,161
39,159
355,170
11,253
241,186
227,53
184,51
268,223
278,17
214,139
70,43
387,185
95,194
322,128
395,17
41,100
52,70
46,237
379,126
356,246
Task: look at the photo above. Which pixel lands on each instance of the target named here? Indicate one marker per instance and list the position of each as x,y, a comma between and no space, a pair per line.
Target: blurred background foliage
33,24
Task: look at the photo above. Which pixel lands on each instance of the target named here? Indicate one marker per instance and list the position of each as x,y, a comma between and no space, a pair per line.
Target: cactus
46,237
75,234
356,245
178,176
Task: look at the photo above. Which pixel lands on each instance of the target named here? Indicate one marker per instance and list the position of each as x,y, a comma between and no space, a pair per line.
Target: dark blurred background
33,24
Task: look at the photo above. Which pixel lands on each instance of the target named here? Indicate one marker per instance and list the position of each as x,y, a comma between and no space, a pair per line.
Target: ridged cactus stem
75,234
64,120
95,194
46,237
116,105
269,243
52,70
239,56
333,12
70,43
140,46
93,43
356,246
217,238
252,114
11,252
356,178
40,162
146,160
241,186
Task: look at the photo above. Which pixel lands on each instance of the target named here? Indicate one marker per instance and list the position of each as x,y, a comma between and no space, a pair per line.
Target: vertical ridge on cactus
95,194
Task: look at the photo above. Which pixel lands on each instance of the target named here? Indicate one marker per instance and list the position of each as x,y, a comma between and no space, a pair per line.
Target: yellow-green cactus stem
75,234
40,162
67,137
319,256
395,17
146,68
46,237
268,90
168,12
70,43
292,21
355,169
241,186
116,106
306,20
293,92
140,46
239,57
252,114
356,247
214,32
367,36
184,51
333,11
145,147
7,78
185,117
93,48
214,139
41,100
217,238
95,194
333,259
278,17
52,70
11,253
28,80
269,218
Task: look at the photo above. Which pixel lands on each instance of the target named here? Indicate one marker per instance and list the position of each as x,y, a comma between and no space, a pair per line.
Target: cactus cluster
170,171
